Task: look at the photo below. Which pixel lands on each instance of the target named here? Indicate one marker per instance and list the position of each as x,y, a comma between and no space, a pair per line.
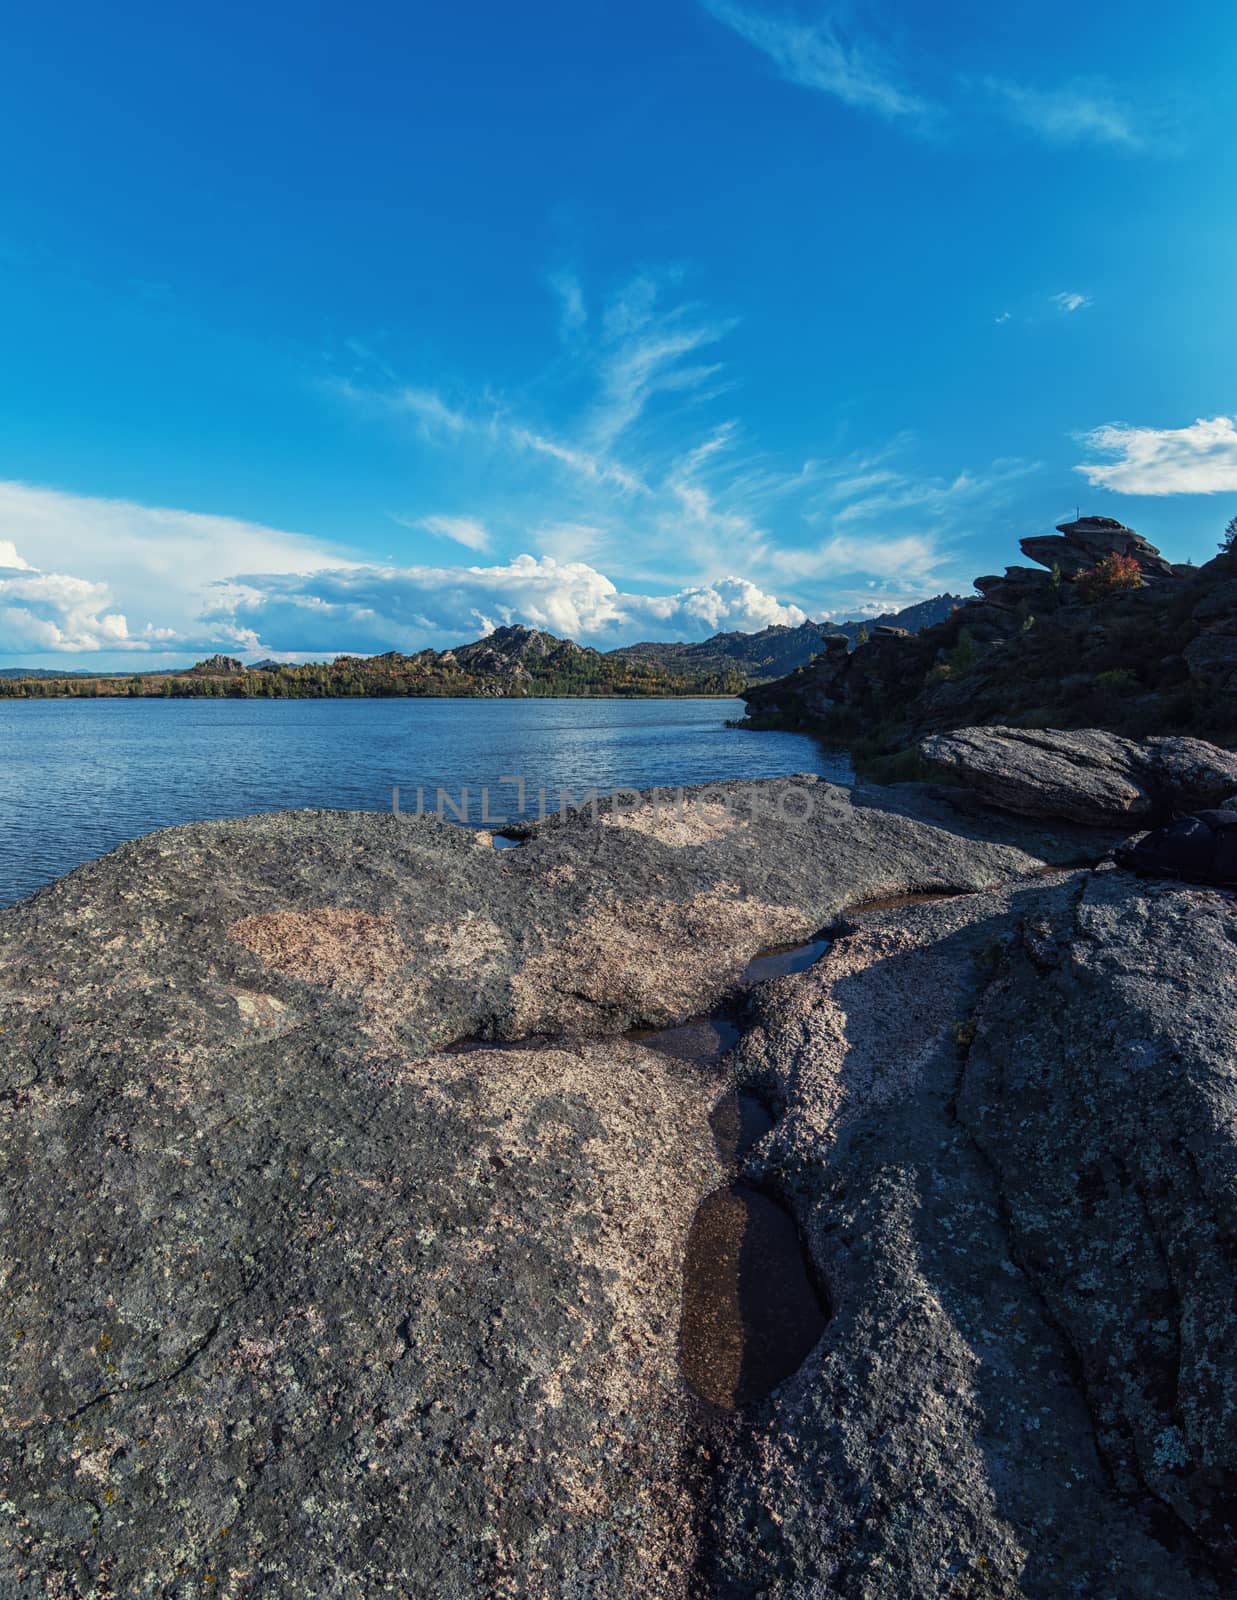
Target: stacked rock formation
1089,539
1074,549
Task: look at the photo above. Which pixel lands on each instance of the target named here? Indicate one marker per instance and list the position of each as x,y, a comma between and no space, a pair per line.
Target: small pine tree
1229,542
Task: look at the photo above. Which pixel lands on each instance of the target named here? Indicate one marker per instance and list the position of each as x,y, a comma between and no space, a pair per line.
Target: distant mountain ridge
779,649
41,672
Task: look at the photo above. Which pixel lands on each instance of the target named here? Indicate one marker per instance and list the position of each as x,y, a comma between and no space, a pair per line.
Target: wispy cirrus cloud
1198,459
473,535
1085,111
644,475
637,357
644,353
584,463
833,57
911,558
1070,300
822,55
894,535
573,312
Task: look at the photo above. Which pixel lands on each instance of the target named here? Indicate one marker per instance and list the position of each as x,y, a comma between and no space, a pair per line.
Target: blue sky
348,328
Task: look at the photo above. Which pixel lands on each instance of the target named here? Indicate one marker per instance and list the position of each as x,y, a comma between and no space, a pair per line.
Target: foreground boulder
290,1323
310,1290
1085,774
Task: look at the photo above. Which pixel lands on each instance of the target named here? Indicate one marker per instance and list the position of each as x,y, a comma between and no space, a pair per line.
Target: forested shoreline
582,677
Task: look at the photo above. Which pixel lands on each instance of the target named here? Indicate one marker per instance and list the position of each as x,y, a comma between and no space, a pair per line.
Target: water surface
78,777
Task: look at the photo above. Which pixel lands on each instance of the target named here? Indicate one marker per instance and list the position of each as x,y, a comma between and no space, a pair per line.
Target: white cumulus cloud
52,611
115,579
83,574
370,608
1199,459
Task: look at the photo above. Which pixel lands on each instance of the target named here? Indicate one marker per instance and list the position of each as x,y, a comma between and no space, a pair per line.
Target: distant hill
512,662
768,654
39,672
777,650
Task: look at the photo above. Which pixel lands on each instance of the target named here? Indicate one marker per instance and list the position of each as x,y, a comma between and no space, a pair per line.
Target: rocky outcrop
312,1289
1018,586
217,667
1211,656
295,1296
508,651
1037,649
829,683
1085,775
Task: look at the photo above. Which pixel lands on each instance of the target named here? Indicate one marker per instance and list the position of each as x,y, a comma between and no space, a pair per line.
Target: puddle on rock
504,841
703,1040
782,960
751,1314
739,1122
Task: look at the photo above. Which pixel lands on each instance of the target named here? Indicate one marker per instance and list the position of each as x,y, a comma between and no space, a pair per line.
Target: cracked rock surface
299,1302
1011,1400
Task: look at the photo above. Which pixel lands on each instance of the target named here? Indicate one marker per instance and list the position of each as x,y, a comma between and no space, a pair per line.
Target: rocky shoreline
302,1298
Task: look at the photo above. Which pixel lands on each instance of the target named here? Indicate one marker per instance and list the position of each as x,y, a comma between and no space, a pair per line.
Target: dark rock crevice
1142,1499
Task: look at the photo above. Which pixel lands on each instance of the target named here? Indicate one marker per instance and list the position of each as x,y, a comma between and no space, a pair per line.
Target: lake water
78,777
